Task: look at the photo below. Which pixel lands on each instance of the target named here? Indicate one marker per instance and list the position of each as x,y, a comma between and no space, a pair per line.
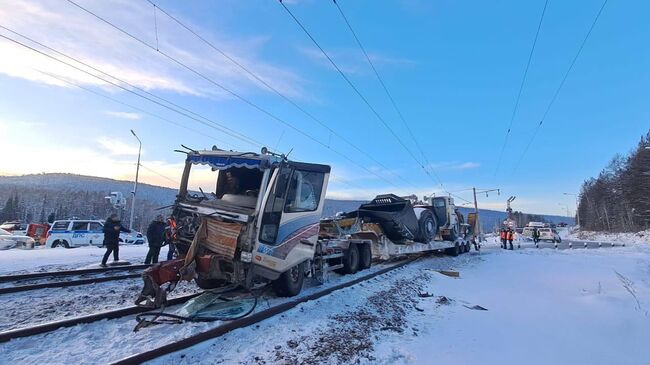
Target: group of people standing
507,236
158,235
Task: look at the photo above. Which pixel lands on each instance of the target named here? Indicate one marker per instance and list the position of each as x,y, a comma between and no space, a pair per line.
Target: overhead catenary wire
383,85
279,93
356,90
229,91
521,88
213,124
559,88
133,107
343,181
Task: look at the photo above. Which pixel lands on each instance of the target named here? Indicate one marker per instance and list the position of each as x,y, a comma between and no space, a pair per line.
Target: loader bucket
395,215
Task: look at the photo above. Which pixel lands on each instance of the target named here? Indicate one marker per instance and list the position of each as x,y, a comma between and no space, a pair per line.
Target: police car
76,233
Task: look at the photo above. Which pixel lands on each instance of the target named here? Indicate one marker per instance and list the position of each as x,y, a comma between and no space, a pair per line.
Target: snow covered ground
52,259
110,340
639,237
543,307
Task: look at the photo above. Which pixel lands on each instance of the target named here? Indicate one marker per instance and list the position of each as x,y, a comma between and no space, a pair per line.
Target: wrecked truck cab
243,218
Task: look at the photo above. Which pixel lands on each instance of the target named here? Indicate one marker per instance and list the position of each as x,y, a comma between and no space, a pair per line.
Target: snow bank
638,237
51,259
543,307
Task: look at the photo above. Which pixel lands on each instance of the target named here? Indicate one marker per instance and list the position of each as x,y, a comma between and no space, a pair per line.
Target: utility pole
577,210
135,187
477,225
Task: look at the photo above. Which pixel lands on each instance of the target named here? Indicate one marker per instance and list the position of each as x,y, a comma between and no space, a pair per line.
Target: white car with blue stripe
77,233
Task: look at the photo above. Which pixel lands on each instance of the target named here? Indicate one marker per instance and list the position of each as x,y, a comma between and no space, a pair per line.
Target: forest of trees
29,204
618,200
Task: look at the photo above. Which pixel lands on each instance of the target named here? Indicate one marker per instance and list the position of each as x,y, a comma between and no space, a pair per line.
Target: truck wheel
453,251
66,244
428,226
365,256
289,283
350,260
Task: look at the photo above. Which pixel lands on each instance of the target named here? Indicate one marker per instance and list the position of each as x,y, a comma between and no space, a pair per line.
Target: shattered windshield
238,186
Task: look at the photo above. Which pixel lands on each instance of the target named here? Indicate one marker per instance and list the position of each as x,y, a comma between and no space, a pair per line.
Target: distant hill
67,195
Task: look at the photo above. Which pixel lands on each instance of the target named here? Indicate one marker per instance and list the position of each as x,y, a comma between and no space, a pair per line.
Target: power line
381,81
521,88
270,87
159,174
150,99
233,93
356,90
557,91
211,124
134,107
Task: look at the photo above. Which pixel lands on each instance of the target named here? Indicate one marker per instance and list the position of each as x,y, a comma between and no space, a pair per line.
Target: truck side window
304,191
273,209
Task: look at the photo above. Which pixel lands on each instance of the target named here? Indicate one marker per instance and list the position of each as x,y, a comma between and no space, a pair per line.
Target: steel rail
62,284
38,275
113,314
247,321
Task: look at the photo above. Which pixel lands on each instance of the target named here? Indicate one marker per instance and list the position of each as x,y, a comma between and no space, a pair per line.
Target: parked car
78,232
75,233
15,227
133,238
549,234
8,240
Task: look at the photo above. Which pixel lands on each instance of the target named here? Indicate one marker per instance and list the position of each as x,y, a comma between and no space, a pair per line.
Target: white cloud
116,147
68,29
454,165
123,115
353,61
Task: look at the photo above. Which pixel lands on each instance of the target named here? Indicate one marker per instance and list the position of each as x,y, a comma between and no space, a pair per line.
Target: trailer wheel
365,256
289,283
350,260
453,251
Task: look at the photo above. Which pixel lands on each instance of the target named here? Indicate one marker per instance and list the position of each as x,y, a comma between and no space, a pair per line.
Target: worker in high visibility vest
510,236
504,238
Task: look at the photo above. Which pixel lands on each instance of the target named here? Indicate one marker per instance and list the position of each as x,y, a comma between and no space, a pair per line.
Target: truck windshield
235,186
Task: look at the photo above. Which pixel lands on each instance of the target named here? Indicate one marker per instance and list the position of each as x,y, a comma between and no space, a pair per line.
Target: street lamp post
577,210
135,186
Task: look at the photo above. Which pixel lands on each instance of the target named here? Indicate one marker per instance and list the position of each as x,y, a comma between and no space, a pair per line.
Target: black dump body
395,215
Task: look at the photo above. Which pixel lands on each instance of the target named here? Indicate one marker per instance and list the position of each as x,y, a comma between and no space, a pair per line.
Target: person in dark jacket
112,229
156,238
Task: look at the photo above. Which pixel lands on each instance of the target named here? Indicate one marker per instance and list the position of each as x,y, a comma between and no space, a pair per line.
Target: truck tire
350,260
289,283
453,234
428,226
453,251
365,256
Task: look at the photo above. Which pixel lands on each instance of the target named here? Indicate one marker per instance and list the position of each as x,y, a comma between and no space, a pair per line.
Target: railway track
254,318
112,314
16,279
222,328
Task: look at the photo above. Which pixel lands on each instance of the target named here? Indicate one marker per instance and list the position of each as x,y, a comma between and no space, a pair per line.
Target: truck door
292,213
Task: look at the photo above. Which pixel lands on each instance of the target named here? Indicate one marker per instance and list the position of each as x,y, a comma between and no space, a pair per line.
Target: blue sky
453,68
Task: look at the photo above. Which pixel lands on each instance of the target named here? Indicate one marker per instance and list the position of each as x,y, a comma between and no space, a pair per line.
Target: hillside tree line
40,205
618,200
